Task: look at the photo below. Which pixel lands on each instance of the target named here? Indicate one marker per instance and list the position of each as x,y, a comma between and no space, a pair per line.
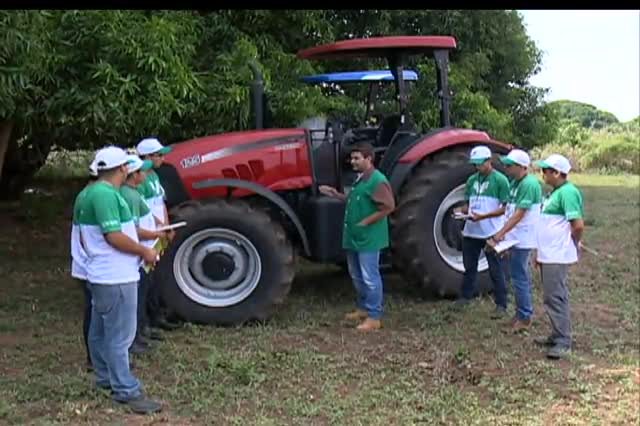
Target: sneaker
142,405
152,334
544,341
499,313
558,352
462,302
357,315
162,323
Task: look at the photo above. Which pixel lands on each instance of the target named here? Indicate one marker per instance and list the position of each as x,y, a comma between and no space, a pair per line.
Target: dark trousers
86,321
153,303
142,319
471,249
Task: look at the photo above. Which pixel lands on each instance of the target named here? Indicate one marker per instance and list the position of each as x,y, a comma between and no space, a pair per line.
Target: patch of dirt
603,315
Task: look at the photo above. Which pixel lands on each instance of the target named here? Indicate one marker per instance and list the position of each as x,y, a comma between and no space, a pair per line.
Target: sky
590,56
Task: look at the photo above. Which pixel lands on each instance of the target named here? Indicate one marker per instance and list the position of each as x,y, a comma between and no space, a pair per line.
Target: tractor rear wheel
229,264
427,241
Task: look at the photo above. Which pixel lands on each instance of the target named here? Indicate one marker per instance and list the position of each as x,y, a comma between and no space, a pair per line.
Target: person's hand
361,223
327,190
476,217
579,249
498,237
457,210
150,256
171,234
160,234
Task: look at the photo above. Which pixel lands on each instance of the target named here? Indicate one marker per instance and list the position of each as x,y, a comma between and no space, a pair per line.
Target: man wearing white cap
522,215
151,189
559,242
113,253
486,194
146,229
153,193
79,260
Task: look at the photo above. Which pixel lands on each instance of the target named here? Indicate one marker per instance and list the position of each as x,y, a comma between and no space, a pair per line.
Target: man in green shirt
365,234
153,193
559,243
486,194
146,229
522,215
113,254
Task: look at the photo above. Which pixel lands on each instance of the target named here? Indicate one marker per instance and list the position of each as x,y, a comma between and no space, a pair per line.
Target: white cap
516,156
479,154
135,163
109,158
151,146
556,162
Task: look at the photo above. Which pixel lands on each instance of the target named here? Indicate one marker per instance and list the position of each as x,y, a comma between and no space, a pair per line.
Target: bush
615,149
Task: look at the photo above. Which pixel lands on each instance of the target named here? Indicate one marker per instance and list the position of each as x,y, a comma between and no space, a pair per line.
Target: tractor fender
436,142
264,192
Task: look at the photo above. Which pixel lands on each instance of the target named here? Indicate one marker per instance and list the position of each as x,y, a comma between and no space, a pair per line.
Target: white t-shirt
485,194
525,194
555,244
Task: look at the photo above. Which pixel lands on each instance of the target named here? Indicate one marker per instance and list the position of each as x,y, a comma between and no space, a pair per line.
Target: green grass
431,364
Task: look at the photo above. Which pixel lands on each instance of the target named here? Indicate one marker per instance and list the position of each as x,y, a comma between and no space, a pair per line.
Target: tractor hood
193,152
379,47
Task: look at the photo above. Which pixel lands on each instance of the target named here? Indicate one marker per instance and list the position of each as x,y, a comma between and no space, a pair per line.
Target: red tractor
251,199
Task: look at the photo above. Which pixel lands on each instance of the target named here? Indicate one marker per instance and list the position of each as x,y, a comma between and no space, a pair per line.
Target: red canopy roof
378,47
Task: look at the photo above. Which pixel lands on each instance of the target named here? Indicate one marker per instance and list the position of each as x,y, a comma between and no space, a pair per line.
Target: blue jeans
471,249
112,329
521,281
365,273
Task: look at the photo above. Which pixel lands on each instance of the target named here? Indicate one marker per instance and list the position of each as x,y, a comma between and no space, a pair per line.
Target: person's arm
332,192
511,223
107,213
577,229
146,234
496,213
571,202
464,209
383,197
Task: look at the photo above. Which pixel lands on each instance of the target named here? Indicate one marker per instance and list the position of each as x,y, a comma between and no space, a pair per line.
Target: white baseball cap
479,155
135,163
151,146
516,156
93,168
556,162
108,158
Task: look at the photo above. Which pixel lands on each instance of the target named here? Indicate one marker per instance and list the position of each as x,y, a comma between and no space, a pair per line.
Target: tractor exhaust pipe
258,94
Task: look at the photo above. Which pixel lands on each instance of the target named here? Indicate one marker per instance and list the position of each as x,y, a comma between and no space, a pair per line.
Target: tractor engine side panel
278,160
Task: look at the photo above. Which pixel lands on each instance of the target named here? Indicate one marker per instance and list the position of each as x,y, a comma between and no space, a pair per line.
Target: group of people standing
498,210
116,222
514,211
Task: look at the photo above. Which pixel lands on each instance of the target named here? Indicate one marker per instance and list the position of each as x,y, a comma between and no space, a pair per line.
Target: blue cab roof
358,76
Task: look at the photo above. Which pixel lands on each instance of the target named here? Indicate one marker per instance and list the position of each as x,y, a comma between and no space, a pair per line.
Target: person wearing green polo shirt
154,195
559,243
108,232
365,234
486,194
146,229
522,216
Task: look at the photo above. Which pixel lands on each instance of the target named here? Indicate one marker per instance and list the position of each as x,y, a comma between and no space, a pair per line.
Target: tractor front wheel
229,264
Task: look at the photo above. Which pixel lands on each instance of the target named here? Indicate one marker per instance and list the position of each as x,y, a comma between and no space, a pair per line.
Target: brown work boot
370,324
520,325
357,315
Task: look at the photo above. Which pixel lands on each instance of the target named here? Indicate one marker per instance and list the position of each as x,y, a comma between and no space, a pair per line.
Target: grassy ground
430,365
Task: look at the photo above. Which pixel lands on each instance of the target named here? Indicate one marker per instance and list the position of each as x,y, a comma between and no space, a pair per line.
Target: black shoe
138,348
499,313
152,334
164,324
142,405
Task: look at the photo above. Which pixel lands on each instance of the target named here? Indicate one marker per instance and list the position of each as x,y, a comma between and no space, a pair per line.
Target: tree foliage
82,79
